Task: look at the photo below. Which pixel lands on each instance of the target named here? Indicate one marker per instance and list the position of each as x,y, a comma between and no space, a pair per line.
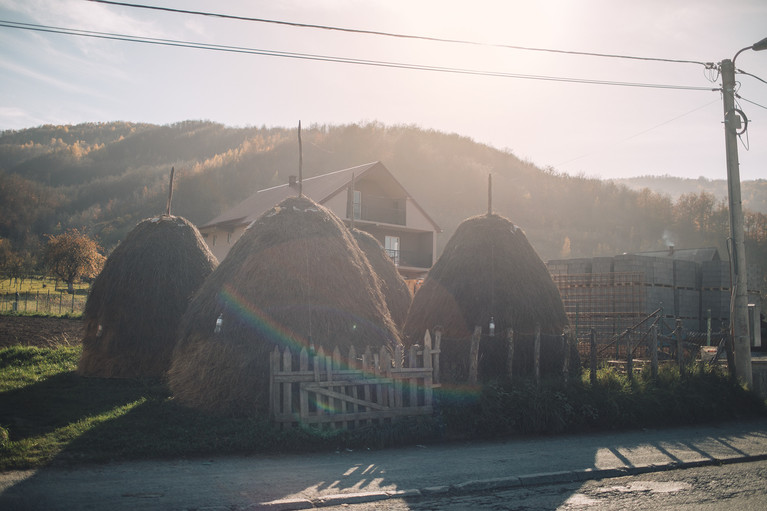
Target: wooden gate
348,391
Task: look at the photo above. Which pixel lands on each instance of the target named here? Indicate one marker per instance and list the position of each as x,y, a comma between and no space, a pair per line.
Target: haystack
395,291
489,271
137,301
295,278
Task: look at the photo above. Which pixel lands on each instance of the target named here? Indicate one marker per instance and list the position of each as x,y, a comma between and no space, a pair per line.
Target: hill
105,178
754,193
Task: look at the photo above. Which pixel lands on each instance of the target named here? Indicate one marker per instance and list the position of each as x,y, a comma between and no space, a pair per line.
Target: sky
592,129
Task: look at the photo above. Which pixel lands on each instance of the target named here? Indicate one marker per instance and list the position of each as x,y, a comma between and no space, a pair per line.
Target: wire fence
48,302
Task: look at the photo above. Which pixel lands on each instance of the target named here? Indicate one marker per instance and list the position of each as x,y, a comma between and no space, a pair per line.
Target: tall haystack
396,293
137,301
489,271
295,278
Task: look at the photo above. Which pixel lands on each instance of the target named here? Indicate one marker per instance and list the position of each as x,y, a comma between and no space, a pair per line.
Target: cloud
16,118
42,77
83,15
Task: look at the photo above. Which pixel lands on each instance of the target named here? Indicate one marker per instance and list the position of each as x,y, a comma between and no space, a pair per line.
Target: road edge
499,483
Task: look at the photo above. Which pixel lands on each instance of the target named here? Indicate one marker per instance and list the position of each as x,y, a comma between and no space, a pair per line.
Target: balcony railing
409,258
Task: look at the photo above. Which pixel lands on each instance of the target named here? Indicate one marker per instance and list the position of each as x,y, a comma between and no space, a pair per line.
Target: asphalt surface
327,479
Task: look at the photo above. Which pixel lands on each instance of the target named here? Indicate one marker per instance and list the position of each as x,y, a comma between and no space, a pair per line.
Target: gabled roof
318,188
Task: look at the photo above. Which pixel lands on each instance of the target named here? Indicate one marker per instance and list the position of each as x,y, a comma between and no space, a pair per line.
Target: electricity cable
749,101
740,71
396,35
329,58
643,131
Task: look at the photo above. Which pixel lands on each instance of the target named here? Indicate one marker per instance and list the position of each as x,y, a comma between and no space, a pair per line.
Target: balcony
409,258
381,209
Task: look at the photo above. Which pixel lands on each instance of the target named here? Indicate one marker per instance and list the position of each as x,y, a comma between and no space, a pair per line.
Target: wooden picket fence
343,392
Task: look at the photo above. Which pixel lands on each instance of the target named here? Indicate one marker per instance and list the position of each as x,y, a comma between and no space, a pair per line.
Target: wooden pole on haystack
300,163
489,194
170,191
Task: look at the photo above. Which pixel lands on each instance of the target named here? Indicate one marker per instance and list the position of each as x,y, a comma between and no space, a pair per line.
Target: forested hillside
105,178
753,193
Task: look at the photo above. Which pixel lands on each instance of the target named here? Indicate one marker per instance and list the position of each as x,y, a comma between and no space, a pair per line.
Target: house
379,205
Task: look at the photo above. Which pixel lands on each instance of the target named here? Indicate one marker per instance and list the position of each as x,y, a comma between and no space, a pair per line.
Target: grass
39,284
51,415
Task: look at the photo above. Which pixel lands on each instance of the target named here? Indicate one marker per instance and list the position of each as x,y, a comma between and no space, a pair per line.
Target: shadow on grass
159,428
66,398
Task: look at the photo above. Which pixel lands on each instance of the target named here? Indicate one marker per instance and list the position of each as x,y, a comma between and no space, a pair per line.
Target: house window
391,245
357,205
229,238
214,241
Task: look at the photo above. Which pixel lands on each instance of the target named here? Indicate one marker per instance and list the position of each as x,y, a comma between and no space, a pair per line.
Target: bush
701,394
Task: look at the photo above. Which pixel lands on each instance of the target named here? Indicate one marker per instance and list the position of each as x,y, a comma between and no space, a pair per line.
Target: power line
749,101
398,35
330,58
643,131
740,71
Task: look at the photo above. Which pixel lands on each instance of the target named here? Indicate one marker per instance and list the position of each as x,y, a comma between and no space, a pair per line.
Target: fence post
654,352
427,364
303,399
427,350
510,357
618,348
593,356
274,363
629,356
566,355
287,387
537,355
679,345
437,346
474,355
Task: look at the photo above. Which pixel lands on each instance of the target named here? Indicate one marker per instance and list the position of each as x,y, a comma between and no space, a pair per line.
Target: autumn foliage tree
72,256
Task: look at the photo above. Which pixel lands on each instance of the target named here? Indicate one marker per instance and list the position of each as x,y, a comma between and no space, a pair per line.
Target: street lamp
739,293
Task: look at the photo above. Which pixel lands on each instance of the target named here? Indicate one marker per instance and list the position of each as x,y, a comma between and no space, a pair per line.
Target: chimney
293,181
671,250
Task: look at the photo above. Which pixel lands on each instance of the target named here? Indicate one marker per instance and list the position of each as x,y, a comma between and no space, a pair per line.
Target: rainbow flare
264,326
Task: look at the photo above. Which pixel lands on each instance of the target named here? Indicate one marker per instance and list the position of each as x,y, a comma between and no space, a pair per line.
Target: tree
72,256
10,262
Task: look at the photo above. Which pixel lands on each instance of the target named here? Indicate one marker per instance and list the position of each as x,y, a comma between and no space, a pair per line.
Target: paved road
732,487
305,481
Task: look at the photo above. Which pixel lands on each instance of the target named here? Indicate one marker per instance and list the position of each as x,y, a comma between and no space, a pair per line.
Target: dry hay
137,301
396,293
487,270
295,278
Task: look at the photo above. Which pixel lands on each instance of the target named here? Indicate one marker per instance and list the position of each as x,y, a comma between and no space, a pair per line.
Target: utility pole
739,292
300,163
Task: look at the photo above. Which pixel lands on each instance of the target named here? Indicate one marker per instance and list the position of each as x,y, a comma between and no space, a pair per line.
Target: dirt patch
39,331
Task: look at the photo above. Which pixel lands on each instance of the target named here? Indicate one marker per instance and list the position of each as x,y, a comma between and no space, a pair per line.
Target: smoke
669,238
